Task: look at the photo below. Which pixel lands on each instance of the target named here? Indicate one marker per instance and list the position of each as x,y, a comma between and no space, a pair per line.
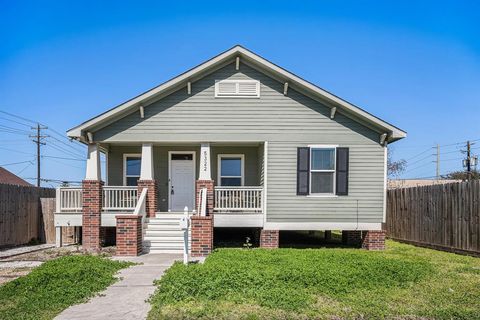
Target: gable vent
237,88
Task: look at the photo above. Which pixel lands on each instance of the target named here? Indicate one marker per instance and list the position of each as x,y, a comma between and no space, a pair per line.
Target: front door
182,181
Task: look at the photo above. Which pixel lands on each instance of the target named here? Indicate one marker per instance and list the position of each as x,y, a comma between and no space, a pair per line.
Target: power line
68,145
427,157
14,121
54,180
14,163
421,166
419,154
56,147
13,132
17,151
27,166
18,117
13,129
67,164
62,158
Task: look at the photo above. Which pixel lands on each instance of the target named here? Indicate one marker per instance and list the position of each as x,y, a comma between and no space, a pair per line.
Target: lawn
55,285
402,282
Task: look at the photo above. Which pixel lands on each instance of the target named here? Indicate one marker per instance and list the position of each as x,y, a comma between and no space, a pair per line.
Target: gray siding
287,122
160,154
251,162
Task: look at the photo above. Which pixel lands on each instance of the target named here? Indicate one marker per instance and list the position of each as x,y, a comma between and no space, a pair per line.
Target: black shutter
303,171
342,171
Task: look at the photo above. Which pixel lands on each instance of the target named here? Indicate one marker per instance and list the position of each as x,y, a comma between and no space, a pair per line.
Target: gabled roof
246,56
6,177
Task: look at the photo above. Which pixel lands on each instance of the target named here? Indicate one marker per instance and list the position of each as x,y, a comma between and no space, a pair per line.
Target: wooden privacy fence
21,215
444,216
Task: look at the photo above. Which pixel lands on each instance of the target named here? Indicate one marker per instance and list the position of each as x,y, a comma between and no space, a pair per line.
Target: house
235,142
6,177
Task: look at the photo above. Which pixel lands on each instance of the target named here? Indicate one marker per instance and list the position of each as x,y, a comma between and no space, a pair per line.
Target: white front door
182,181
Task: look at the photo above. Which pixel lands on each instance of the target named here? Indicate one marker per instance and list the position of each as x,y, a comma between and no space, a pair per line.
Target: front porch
233,206
150,187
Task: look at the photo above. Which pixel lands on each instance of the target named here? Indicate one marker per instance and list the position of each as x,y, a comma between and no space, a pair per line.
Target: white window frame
334,171
125,156
237,95
219,167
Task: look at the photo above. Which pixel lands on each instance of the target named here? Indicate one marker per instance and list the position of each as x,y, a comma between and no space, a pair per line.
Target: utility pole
38,136
470,161
438,161
469,166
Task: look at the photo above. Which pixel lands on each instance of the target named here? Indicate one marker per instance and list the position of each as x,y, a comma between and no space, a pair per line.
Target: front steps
162,234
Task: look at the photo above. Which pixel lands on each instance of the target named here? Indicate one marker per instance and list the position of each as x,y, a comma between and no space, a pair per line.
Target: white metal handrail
141,207
69,199
119,198
238,199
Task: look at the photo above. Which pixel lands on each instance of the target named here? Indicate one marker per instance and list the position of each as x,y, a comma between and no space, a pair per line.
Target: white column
93,163
58,237
205,170
146,168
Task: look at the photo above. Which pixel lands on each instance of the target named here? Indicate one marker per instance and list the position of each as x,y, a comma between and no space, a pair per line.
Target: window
322,170
131,171
230,169
237,88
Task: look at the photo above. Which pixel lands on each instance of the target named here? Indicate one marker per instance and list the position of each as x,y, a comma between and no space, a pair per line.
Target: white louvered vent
237,88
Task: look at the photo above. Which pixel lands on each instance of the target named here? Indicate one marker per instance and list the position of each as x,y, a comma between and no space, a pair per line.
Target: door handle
171,191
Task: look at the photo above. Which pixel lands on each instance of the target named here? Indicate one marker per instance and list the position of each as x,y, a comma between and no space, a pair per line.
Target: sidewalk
125,299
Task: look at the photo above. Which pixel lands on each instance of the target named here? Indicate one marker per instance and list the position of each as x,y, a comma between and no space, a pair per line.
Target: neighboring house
239,142
408,183
6,177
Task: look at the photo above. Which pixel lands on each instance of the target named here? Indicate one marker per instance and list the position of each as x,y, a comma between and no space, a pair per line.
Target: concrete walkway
125,299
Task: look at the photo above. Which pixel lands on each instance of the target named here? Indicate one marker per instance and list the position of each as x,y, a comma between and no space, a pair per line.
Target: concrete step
173,222
165,250
162,227
164,233
162,239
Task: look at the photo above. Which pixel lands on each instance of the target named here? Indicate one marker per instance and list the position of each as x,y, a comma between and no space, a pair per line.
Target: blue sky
415,64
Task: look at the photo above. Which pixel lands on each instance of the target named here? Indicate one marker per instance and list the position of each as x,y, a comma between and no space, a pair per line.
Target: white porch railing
119,198
238,199
141,207
69,199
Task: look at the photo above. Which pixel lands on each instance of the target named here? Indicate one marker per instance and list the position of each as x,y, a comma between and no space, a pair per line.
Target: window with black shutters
322,170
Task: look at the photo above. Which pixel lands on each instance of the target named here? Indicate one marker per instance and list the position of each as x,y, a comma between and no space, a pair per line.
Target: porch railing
239,199
69,199
115,198
119,198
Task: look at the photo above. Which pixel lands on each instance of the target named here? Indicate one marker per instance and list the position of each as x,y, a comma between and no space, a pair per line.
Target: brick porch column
202,236
129,235
147,179
209,185
269,239
374,240
152,200
91,214
352,237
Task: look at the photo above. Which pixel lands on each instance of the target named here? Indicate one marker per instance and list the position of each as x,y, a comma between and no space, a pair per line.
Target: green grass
401,282
55,285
